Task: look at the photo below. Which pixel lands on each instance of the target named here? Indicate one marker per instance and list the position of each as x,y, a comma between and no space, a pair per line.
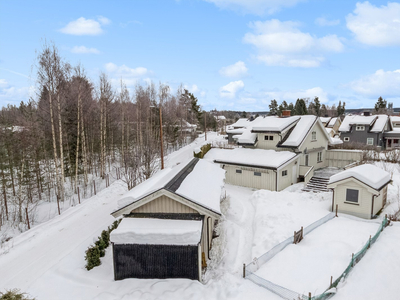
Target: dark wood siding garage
155,261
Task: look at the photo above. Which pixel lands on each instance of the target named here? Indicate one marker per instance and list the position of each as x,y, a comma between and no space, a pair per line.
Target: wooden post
336,209
27,217
94,186
79,197
244,270
309,296
294,237
369,244
352,259
301,232
331,282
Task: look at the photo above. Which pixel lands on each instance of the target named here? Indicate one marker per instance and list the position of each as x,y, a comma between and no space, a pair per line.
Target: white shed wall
266,181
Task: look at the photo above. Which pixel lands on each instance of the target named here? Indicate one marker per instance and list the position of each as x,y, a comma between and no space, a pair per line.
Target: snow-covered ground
325,252
48,261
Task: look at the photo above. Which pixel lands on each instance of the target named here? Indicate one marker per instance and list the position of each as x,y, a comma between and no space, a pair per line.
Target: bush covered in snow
14,295
203,150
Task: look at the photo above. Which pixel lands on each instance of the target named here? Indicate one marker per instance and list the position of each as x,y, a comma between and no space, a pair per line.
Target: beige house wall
266,181
361,209
290,178
340,157
268,145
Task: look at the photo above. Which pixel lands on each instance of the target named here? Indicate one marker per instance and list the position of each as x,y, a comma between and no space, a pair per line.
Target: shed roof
368,174
261,158
157,232
196,180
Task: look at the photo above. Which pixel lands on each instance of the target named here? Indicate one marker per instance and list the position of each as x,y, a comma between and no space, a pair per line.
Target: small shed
360,191
168,223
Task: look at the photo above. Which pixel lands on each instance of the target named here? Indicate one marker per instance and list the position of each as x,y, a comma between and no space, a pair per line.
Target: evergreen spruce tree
273,108
317,106
105,236
92,257
380,105
300,107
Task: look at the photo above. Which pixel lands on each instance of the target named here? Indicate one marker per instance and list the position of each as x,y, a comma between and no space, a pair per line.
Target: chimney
367,113
285,113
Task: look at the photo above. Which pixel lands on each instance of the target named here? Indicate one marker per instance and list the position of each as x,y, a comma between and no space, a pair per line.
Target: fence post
94,186
27,217
352,260
369,244
244,270
337,205
79,197
309,296
331,282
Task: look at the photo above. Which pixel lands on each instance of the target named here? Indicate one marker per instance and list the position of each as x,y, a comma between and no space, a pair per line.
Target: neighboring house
236,128
331,125
360,191
366,130
185,126
303,135
392,137
168,223
257,168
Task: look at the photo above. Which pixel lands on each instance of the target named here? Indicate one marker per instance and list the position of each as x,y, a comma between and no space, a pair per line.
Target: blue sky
232,54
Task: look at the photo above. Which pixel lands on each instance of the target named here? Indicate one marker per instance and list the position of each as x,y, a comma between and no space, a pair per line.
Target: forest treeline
75,130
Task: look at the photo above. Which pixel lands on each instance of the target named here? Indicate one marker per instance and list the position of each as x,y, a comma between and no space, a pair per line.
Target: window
360,128
346,139
314,136
239,171
370,141
284,173
257,173
268,137
319,157
352,195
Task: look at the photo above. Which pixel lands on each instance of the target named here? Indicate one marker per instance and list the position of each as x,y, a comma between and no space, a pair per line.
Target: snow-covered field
48,261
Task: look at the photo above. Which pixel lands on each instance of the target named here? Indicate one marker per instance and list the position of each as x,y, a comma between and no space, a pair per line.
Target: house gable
321,141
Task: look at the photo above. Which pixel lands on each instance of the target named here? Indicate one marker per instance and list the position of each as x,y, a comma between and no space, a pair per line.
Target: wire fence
285,293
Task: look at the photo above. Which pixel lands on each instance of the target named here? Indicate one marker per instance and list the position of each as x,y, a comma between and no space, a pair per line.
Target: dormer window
314,136
360,128
268,137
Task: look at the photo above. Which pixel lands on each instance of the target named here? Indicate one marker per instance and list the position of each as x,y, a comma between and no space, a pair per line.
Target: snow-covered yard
325,252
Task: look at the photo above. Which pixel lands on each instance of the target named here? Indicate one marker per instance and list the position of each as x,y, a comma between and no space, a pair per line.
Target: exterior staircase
317,184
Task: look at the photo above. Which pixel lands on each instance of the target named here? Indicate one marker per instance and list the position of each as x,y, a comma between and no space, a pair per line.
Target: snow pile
368,174
300,131
157,232
250,157
274,124
203,185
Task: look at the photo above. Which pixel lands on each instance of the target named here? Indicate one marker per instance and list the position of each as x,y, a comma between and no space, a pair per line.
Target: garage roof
157,232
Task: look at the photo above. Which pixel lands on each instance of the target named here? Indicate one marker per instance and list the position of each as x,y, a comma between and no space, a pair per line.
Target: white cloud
238,69
84,26
124,71
325,22
12,94
376,26
84,50
230,90
257,7
283,44
291,96
3,83
380,83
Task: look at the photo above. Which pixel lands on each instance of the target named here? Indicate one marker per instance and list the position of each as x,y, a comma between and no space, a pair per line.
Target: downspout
208,238
333,198
372,207
276,181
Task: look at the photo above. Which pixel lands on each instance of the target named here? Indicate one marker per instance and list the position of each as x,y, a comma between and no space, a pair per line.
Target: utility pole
161,138
205,126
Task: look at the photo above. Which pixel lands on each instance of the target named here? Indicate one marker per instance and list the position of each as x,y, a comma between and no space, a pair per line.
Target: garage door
155,261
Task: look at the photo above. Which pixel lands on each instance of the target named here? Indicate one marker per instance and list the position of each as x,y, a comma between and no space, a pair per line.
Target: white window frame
319,157
346,139
370,141
360,128
313,136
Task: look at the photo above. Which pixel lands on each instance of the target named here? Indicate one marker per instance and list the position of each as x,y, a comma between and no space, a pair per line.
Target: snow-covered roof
242,122
325,120
369,174
247,136
356,120
274,124
250,157
300,131
236,131
328,130
221,118
157,232
380,123
335,140
196,179
332,122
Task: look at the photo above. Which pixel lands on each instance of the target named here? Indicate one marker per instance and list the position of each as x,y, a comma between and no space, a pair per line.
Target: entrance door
306,160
